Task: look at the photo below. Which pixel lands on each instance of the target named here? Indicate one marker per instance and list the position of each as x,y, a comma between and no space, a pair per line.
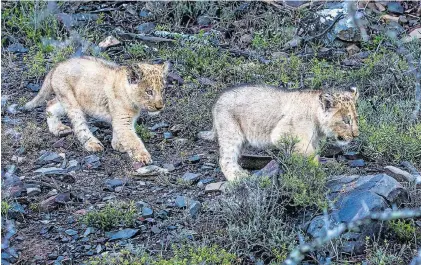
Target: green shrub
143,132
112,215
405,230
5,207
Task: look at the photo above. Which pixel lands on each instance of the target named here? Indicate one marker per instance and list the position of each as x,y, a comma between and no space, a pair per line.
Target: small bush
5,207
143,132
381,254
111,216
404,229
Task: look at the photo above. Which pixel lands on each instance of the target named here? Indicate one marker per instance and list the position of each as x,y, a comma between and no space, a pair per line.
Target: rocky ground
62,205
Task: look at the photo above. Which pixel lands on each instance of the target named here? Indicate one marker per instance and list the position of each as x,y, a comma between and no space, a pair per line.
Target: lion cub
106,91
262,115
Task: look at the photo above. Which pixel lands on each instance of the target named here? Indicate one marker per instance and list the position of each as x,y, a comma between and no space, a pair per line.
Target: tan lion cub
106,91
262,115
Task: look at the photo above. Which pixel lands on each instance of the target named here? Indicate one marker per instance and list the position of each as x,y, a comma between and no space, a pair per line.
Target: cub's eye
149,92
347,120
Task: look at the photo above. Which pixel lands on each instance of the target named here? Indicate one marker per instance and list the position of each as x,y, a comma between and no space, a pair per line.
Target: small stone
206,181
246,39
119,189
217,186
277,55
141,204
150,170
147,212
110,197
32,191
380,7
62,198
33,87
98,249
356,163
351,155
194,159
49,157
180,141
145,13
146,28
52,192
109,42
163,214
395,7
169,167
204,21
12,109
270,170
403,19
399,174
17,48
51,171
155,229
352,49
89,230
254,161
48,204
176,128
194,208
190,177
91,162
111,184
122,234
73,165
180,202
70,232
168,135
159,126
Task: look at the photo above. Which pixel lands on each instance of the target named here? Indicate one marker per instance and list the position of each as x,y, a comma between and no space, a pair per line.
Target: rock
155,229
351,155
145,13
11,186
51,171
180,202
246,39
91,162
62,198
71,20
356,163
194,159
271,170
169,167
163,214
16,211
12,109
414,34
395,7
150,170
33,191
399,174
217,186
111,184
388,18
52,192
194,208
177,128
159,126
352,49
109,42
190,177
89,230
49,157
174,77
11,121
204,21
147,212
146,28
70,232
122,234
168,135
353,198
403,19
33,87
73,165
17,48
141,204
277,55
380,7
206,181
254,162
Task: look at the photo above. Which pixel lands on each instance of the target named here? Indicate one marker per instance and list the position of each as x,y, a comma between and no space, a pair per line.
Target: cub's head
147,84
339,116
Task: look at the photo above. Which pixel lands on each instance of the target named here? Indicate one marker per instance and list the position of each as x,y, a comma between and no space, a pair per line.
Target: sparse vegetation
143,132
5,207
111,216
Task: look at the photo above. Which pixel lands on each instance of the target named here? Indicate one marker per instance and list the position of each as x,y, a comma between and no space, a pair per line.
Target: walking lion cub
106,91
261,116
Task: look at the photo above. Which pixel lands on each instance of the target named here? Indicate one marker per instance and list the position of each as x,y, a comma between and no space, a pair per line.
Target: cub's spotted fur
106,91
262,115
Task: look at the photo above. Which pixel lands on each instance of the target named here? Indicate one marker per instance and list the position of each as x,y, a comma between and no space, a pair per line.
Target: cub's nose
159,105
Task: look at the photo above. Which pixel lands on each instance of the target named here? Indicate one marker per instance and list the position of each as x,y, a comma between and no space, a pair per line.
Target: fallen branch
297,255
143,37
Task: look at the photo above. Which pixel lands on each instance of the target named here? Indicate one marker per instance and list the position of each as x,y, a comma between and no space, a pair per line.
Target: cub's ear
166,67
354,92
327,101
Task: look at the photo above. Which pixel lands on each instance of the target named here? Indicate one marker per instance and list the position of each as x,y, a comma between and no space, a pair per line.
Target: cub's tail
42,95
207,135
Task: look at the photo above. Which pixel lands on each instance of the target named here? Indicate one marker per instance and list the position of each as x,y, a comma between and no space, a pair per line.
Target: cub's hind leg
54,112
80,125
231,140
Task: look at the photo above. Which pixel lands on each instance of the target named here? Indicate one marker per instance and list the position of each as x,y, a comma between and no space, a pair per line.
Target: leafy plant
112,215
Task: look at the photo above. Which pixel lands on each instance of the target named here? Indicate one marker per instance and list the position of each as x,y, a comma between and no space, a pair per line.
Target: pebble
73,165
17,48
147,212
146,28
150,170
169,167
12,109
89,230
351,155
122,234
168,135
163,214
91,162
32,191
194,208
70,232
159,126
155,229
190,177
33,87
180,202
111,184
49,157
217,186
356,163
51,171
194,159
395,7
399,174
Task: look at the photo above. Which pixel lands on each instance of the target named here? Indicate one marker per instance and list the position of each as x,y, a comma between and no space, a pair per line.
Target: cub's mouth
342,141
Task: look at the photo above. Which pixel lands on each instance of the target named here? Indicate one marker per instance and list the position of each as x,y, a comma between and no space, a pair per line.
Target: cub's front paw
142,156
93,146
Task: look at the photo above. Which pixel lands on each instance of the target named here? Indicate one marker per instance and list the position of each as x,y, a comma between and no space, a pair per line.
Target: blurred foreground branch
297,255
